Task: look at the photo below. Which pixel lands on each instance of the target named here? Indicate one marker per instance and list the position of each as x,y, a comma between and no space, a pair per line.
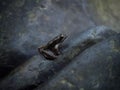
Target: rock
27,24
97,68
37,70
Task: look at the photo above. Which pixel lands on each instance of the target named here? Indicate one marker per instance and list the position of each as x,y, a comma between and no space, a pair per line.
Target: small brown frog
52,49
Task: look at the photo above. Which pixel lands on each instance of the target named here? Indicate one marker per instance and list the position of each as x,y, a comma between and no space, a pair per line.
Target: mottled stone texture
105,12
38,70
97,68
27,24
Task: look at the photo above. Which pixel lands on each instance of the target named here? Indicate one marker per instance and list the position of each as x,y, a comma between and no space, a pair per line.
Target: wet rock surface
104,12
92,70
27,24
38,70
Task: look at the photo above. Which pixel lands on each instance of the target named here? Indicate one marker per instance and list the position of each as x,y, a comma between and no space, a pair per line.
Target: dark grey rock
37,70
97,68
27,24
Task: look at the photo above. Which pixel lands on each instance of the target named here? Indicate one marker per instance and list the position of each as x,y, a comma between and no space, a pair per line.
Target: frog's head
62,37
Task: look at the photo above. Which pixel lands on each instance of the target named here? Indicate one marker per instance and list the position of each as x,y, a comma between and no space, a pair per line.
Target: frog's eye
62,35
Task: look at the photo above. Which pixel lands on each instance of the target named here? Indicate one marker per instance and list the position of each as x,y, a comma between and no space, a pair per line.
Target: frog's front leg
56,49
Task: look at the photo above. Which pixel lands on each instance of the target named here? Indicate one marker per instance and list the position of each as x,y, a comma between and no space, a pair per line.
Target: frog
52,49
